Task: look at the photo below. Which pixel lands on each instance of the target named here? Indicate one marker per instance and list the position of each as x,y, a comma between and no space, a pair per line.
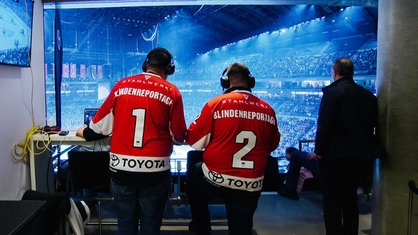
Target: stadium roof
222,23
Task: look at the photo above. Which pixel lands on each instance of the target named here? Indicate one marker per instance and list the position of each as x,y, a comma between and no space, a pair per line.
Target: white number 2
139,127
237,161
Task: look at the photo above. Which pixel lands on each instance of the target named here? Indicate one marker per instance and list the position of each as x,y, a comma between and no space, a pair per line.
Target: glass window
289,50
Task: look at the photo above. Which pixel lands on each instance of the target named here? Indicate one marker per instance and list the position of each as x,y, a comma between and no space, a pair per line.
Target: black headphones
160,57
225,79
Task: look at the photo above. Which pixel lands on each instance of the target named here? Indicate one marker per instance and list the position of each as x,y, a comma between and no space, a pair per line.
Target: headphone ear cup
144,66
225,82
170,68
251,81
225,79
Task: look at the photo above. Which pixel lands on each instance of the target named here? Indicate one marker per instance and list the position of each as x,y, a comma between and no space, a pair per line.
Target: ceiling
95,3
218,24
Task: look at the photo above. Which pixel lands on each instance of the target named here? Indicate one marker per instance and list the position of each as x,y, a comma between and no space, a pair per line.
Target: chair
271,177
193,157
88,178
52,219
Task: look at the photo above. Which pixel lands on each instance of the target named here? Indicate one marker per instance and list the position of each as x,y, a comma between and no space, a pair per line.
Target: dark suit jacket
347,120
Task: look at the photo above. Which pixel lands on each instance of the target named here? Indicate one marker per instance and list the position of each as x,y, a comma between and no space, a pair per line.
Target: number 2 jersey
237,131
145,116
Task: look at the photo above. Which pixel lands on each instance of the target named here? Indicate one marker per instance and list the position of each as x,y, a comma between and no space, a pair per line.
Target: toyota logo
114,160
215,177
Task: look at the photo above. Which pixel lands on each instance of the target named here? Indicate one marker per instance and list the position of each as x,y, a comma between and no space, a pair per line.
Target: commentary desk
40,141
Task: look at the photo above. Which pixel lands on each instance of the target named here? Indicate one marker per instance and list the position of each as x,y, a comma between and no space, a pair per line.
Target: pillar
397,92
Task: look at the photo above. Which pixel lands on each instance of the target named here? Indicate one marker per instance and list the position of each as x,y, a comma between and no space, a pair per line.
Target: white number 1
237,161
139,127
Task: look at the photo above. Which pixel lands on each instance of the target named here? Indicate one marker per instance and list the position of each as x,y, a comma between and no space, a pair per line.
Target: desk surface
14,215
39,141
69,139
70,136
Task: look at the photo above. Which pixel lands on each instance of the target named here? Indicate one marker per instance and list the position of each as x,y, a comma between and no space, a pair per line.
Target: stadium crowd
289,79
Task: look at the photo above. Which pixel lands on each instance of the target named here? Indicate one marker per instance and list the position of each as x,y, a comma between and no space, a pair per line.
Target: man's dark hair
241,72
344,67
159,58
238,68
290,150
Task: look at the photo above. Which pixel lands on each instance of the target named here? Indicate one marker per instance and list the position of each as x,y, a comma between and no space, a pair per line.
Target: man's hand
80,131
313,156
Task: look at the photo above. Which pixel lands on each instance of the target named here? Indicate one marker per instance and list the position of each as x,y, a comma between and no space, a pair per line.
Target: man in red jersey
144,114
237,131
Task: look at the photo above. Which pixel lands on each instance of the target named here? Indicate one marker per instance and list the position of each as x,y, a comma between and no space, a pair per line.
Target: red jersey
144,114
238,132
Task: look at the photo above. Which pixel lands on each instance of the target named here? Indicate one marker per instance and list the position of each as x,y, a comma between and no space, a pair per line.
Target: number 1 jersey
144,114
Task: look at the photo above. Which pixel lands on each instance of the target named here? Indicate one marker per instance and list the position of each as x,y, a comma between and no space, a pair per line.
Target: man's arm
314,156
199,131
328,112
89,134
178,128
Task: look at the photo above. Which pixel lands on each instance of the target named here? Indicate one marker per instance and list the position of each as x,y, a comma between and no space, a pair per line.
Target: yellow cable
22,150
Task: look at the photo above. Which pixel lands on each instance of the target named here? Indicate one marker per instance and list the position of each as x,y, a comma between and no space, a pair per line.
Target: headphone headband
160,57
246,73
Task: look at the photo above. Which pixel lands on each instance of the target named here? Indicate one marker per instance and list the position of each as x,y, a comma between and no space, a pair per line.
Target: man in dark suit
345,145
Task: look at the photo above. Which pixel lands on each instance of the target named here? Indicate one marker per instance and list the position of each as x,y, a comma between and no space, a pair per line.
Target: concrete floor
275,215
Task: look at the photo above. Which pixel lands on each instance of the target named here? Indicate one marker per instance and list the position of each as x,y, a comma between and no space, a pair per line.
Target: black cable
58,66
413,187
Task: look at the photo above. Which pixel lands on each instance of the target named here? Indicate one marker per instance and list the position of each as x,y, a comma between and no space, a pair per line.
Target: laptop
89,114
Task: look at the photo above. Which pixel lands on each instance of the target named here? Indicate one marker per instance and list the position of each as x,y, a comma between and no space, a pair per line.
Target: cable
22,150
413,187
412,190
29,40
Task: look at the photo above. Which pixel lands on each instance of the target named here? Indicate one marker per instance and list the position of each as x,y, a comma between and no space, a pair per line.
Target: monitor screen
89,114
16,32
